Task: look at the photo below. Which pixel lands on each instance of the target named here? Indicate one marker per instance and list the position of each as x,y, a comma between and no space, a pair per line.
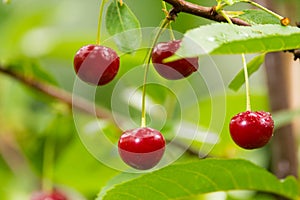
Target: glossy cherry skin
55,195
251,130
177,69
141,148
96,65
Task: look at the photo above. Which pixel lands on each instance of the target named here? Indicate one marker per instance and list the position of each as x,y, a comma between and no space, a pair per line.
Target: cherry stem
172,36
162,27
171,32
248,103
100,22
48,158
221,12
220,6
263,8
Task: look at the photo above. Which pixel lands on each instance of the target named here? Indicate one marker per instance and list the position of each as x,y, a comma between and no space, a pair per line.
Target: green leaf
252,67
199,177
229,2
222,38
123,24
254,17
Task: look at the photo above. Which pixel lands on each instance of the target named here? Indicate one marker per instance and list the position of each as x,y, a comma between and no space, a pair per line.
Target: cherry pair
98,65
143,148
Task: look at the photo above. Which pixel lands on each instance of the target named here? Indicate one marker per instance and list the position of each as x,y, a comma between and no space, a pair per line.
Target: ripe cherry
96,65
54,195
141,148
251,130
176,69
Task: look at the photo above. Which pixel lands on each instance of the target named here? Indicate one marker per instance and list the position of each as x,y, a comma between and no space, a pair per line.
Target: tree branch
77,102
202,11
284,149
210,13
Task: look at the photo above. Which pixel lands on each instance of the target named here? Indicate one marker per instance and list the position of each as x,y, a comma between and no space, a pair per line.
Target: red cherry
54,195
96,65
141,148
251,130
172,70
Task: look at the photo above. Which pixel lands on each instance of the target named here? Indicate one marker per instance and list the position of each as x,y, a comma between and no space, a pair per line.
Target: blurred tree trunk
282,80
284,144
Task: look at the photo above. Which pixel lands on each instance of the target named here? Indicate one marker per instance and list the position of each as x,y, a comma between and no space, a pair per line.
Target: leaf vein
185,189
204,176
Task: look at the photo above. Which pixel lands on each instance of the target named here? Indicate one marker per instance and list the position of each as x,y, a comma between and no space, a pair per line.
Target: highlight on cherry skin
43,195
174,70
251,130
141,148
96,64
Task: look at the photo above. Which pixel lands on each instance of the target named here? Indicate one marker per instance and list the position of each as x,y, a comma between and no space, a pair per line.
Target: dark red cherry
172,70
54,195
141,148
251,130
96,65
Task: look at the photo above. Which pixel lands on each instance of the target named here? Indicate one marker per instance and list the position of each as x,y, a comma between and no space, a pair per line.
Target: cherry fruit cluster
141,148
98,65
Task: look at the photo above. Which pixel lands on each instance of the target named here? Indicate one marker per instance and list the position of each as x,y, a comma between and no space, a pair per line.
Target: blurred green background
38,136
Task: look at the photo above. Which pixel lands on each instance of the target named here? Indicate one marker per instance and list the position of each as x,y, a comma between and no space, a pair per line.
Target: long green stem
219,9
100,22
164,5
225,16
220,6
263,8
248,103
147,61
171,32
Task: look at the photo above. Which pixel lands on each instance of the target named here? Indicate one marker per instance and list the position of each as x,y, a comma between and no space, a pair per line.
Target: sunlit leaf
199,177
229,2
124,26
258,17
225,38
